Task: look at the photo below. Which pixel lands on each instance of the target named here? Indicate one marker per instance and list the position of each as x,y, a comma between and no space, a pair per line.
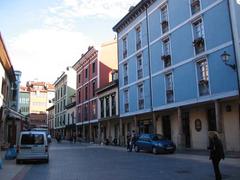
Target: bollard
0,163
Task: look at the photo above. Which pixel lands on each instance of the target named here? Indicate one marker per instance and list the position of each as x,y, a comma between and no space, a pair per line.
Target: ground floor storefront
188,126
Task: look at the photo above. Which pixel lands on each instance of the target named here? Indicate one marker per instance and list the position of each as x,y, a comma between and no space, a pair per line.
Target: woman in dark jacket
216,153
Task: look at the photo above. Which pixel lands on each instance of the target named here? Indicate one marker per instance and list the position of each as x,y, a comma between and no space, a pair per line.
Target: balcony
126,107
138,44
124,53
169,94
125,80
195,6
199,45
164,26
140,73
141,103
203,87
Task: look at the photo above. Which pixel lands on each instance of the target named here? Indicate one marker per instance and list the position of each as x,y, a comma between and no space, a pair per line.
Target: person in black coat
216,153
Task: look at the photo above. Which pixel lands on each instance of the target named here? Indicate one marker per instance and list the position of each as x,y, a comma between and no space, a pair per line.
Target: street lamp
225,58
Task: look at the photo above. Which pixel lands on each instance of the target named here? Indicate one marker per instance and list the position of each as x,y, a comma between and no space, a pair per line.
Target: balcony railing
140,73
141,103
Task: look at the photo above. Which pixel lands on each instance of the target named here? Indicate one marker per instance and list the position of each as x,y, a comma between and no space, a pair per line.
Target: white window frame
139,67
124,46
126,99
138,35
125,72
140,96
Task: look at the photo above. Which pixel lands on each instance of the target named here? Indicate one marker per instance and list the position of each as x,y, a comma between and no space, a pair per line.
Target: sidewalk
9,168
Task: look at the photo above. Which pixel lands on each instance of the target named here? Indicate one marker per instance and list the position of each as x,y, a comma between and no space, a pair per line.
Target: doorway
186,129
166,126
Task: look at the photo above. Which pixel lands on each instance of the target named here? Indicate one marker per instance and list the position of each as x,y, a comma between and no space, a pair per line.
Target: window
164,18
169,87
86,93
93,88
195,6
166,57
138,38
102,107
198,36
125,73
124,41
139,66
140,97
93,67
79,78
79,96
86,73
126,101
85,112
203,85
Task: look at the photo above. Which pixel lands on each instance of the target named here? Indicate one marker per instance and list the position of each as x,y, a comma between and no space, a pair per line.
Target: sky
43,37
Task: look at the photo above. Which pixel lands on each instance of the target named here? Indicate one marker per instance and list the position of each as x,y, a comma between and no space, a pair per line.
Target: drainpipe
150,73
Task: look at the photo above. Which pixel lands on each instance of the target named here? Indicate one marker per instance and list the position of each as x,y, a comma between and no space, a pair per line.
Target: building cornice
132,14
5,60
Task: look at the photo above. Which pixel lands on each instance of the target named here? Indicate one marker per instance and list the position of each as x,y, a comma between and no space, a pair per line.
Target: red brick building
93,72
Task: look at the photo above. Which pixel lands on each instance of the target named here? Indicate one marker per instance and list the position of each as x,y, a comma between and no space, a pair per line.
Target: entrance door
166,126
186,129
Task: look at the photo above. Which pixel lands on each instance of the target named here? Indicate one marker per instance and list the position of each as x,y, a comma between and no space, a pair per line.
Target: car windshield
29,139
157,137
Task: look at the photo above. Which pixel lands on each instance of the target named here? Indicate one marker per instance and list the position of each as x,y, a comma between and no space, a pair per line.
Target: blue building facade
172,77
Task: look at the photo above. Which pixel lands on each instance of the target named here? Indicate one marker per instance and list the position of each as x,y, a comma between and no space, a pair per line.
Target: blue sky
44,37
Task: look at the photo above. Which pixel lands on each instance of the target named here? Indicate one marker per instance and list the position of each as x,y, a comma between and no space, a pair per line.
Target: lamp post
225,58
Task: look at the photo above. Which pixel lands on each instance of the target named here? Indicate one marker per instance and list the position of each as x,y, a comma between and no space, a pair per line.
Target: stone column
180,130
154,121
135,124
218,116
99,132
120,132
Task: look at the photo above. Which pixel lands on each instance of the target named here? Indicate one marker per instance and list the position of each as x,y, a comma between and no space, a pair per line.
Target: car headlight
160,145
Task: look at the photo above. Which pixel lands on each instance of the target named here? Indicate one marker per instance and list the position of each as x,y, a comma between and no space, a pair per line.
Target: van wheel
154,150
18,161
136,148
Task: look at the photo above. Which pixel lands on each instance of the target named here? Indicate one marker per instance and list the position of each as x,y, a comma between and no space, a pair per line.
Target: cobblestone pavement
93,162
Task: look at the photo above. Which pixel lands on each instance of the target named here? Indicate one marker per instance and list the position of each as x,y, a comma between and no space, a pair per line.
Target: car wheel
154,150
136,148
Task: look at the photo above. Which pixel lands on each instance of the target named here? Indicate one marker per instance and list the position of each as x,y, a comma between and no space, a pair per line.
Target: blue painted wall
222,79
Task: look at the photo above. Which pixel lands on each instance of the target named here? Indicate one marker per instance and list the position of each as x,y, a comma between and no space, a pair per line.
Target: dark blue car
155,143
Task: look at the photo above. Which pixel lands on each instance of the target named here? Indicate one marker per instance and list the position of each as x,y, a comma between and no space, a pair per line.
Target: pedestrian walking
128,140
216,152
133,140
74,138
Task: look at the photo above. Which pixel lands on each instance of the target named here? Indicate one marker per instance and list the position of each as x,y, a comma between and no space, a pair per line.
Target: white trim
224,45
140,20
136,82
85,102
133,54
197,100
88,82
87,122
135,112
172,30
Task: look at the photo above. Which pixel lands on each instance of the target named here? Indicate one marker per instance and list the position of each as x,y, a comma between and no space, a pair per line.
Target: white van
32,145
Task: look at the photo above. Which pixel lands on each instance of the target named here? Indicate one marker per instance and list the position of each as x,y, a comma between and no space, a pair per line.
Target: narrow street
93,162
